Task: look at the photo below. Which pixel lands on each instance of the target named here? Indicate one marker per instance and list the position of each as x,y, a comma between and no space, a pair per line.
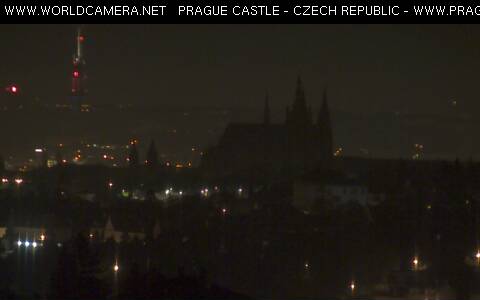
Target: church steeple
266,111
299,111
325,127
299,102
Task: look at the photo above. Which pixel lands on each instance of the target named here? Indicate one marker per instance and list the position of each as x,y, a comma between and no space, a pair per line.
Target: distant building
262,149
314,193
123,229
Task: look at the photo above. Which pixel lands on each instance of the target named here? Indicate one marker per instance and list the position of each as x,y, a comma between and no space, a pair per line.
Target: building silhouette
299,144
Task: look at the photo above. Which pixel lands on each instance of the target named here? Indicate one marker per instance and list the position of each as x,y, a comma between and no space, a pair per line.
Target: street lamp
415,263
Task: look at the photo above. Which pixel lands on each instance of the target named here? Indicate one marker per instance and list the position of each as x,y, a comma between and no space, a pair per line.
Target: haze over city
252,161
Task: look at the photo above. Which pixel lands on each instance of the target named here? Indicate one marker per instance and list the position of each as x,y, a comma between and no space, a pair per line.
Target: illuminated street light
352,286
18,181
42,237
19,243
27,243
34,244
115,268
415,263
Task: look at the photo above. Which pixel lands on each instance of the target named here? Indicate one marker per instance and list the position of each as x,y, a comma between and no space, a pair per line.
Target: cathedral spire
299,110
266,111
324,114
300,95
324,125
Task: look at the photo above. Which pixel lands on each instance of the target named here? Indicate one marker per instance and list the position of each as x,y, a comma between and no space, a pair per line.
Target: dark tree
76,276
64,281
44,159
58,156
152,155
133,155
2,164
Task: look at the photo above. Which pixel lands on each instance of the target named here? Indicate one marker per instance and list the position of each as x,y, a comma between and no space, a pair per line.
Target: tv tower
78,73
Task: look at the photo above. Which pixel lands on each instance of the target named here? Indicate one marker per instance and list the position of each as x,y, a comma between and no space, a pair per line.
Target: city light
42,237
39,150
415,263
18,181
115,268
13,89
19,243
338,152
34,244
27,243
4,180
204,192
110,184
352,286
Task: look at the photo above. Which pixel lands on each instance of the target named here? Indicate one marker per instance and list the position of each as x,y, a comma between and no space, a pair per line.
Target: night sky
366,67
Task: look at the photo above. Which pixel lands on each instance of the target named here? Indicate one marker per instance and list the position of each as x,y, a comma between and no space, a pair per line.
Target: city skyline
157,65
227,162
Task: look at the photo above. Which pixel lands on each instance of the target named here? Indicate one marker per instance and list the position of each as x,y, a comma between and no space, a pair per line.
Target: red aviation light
12,89
81,38
76,74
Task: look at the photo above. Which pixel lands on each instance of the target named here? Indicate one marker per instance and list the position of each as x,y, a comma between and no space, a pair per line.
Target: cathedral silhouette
294,147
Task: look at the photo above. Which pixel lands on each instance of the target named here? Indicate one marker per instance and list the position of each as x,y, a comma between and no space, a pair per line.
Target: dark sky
366,67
